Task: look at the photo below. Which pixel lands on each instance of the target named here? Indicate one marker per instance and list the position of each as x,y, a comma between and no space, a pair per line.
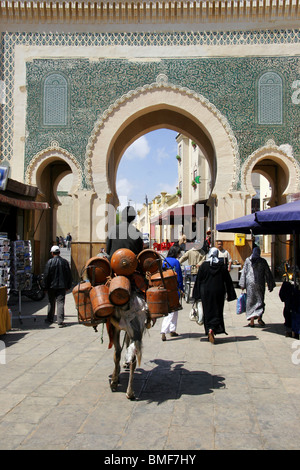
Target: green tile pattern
230,84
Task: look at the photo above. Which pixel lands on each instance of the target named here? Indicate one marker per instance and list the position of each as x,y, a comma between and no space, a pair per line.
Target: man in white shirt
224,254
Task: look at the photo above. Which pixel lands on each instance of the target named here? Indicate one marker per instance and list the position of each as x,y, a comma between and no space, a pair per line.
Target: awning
155,220
174,215
24,204
181,211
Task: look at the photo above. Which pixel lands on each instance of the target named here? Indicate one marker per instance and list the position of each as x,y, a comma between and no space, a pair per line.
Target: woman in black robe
212,283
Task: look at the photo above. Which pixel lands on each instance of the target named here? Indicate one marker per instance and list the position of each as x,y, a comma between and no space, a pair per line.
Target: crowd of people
210,273
64,242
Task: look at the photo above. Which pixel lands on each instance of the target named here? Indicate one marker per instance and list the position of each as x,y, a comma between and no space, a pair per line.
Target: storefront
21,214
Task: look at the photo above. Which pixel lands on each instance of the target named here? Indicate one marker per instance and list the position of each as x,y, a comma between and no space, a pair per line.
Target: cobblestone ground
240,393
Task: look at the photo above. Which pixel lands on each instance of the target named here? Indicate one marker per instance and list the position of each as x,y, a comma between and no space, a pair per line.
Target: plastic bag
241,303
196,314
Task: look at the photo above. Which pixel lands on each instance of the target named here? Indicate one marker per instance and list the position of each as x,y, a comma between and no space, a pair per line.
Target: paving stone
240,393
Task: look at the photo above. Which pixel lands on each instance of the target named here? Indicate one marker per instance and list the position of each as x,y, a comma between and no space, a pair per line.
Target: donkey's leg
134,352
126,365
129,392
117,356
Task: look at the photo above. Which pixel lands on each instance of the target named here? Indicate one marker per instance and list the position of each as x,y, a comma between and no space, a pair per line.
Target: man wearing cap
125,235
57,280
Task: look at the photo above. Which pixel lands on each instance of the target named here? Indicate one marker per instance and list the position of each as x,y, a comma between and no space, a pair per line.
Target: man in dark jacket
57,280
125,235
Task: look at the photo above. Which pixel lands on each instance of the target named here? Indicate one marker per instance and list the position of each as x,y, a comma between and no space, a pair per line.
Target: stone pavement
241,393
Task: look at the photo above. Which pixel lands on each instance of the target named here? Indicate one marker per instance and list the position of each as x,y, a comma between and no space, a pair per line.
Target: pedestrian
224,254
182,243
212,283
207,242
254,276
68,240
195,257
125,235
57,280
287,295
169,323
102,253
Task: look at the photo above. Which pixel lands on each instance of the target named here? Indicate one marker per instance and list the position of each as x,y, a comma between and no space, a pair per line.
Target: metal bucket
98,270
157,301
82,301
149,261
119,290
139,281
99,296
124,262
168,280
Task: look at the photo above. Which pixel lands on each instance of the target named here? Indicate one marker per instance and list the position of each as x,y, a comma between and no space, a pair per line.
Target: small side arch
283,157
47,156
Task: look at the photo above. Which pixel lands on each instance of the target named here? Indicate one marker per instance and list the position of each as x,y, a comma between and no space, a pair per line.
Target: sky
148,167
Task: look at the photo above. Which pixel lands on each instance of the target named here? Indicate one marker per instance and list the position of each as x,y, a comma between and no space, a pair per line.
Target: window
270,99
180,150
55,101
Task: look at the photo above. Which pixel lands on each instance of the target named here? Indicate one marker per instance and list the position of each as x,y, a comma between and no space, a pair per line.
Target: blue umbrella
281,219
245,224
285,218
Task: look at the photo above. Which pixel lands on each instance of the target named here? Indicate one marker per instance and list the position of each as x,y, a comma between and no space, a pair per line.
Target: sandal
261,322
163,337
211,337
173,333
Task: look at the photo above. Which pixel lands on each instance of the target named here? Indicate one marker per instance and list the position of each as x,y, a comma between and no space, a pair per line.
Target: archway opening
163,118
65,220
270,179
49,175
159,171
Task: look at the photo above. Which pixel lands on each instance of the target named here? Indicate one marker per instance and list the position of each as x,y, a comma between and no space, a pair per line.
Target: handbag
196,314
241,303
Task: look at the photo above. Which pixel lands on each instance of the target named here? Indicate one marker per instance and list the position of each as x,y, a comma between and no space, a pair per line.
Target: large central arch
155,106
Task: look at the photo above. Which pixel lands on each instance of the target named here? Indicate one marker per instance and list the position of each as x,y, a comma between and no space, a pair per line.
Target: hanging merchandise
5,278
22,265
21,270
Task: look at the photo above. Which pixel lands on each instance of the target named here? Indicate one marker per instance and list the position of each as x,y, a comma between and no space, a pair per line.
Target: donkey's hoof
130,396
114,387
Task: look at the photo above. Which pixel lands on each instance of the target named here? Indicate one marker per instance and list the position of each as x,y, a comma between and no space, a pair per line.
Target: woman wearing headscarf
255,274
213,282
169,323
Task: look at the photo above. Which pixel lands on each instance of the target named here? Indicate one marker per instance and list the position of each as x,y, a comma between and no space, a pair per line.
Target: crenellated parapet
149,12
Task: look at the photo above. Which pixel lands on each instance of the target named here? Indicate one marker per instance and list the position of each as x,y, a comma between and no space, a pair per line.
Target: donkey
133,318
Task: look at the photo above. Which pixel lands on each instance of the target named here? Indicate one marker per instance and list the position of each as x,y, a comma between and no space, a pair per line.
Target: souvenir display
5,277
21,265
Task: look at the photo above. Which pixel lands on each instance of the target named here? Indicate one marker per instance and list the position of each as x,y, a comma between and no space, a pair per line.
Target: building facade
81,81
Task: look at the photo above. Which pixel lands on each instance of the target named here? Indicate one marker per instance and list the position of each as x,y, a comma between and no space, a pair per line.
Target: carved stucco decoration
45,156
161,82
